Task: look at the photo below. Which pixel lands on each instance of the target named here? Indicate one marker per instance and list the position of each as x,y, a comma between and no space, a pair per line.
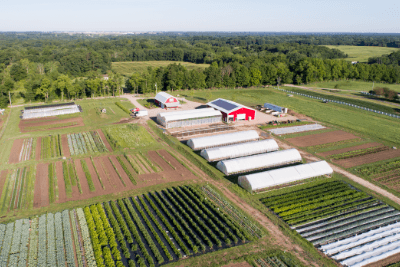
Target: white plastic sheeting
262,161
377,258
370,256
48,112
297,129
239,150
222,139
266,179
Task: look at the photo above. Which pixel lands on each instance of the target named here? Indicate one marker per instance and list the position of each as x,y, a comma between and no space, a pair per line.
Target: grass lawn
362,53
353,85
127,68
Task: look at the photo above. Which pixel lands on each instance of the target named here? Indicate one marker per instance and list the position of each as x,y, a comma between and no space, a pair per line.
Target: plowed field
370,158
50,123
321,138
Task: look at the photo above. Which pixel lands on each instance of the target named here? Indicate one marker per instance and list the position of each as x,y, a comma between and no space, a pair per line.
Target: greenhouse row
51,111
258,181
257,162
239,150
297,129
222,139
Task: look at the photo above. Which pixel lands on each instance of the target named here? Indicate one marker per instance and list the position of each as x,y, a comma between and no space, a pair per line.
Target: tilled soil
121,171
41,195
62,196
15,151
104,177
24,125
321,138
82,178
38,148
347,149
65,147
160,161
370,158
3,177
103,137
172,160
238,264
93,173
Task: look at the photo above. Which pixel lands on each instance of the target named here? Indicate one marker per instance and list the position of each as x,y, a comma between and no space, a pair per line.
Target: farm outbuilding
239,150
258,181
222,139
275,108
50,110
257,162
165,100
232,111
189,117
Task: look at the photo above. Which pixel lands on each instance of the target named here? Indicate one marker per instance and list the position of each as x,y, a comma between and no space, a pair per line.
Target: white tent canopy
262,161
222,139
266,179
239,150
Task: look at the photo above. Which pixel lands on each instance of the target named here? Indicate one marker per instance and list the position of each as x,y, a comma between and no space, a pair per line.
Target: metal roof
273,107
163,96
226,106
222,139
285,175
239,150
261,161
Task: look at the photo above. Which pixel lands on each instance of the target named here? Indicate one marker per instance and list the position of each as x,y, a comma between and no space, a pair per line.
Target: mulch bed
321,138
370,158
15,151
347,149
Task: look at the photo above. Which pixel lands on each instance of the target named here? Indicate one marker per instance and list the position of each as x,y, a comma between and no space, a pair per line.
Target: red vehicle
135,109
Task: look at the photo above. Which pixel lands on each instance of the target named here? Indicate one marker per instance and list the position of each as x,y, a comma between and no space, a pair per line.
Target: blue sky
201,15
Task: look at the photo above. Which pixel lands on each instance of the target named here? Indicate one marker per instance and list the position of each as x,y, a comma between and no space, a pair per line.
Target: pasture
127,68
362,53
353,85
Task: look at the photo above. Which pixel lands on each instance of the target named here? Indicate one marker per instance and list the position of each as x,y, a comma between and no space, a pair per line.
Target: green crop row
133,164
358,152
116,170
121,162
379,168
123,108
51,147
97,173
87,175
67,180
334,144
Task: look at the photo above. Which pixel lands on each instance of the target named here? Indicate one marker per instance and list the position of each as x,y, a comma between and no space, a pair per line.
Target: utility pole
156,88
278,80
373,85
9,96
62,96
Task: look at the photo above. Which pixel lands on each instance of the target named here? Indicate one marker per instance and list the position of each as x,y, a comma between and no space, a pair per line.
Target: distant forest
38,66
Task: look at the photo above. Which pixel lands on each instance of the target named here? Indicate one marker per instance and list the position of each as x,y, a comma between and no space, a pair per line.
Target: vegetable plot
51,147
85,143
26,149
326,213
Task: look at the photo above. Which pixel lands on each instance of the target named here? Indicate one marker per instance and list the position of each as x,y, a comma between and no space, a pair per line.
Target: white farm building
239,150
257,162
189,117
165,100
222,139
258,181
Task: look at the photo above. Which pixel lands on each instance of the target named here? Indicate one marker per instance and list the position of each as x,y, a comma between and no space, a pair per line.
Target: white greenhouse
257,162
286,175
189,118
222,139
50,110
239,150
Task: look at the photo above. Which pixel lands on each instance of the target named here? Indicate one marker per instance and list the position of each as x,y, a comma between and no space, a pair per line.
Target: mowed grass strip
362,53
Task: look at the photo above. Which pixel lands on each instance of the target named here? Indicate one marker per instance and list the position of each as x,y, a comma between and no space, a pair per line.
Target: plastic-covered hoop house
184,118
222,139
239,150
258,162
51,110
285,175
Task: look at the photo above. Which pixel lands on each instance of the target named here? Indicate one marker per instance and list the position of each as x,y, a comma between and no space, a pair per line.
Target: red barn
165,100
232,111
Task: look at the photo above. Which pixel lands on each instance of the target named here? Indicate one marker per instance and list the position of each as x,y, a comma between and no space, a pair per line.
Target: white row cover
377,258
51,113
356,260
222,139
239,150
180,112
343,244
284,175
188,116
262,161
44,109
297,129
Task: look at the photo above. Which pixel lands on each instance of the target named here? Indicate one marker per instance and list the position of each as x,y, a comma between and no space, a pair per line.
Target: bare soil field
3,177
238,264
121,171
321,138
103,137
62,196
15,151
385,262
82,178
93,173
65,147
160,161
50,123
38,148
41,195
348,149
370,158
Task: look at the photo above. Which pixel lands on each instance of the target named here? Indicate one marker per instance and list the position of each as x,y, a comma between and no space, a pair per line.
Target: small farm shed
189,117
285,175
258,162
275,108
222,139
239,150
165,100
232,111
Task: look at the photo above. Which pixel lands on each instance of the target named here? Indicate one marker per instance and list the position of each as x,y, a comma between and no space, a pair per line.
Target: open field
127,68
353,85
362,53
